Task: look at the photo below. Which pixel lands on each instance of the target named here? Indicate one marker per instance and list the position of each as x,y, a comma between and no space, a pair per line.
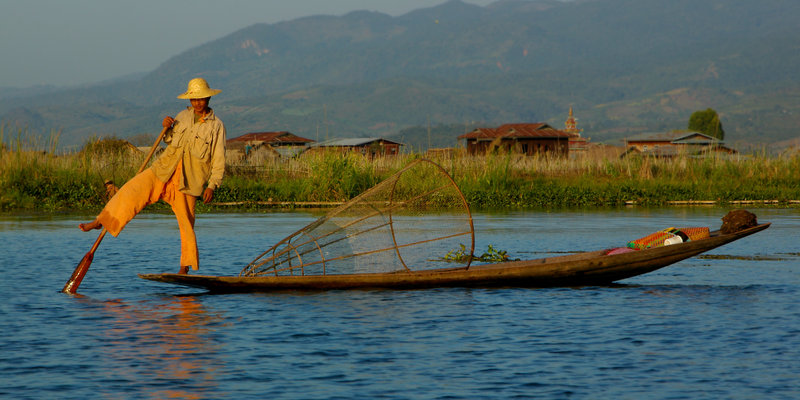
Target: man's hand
168,121
208,194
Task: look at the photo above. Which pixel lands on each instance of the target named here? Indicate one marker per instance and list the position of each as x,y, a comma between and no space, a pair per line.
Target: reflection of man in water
163,341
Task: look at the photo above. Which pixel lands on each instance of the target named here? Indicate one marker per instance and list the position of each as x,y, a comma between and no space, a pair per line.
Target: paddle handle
71,287
153,149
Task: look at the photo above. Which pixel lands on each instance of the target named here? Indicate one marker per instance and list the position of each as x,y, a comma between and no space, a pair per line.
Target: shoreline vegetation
32,179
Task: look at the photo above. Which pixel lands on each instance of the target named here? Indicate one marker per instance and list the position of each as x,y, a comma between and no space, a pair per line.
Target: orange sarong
145,189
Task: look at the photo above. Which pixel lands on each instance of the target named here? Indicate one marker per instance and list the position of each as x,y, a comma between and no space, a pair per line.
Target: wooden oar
77,276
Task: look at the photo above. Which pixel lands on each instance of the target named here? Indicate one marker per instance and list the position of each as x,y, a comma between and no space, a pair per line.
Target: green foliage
108,146
491,255
239,188
707,121
41,185
336,177
494,255
32,180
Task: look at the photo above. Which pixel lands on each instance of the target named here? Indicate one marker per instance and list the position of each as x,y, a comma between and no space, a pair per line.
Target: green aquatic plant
491,255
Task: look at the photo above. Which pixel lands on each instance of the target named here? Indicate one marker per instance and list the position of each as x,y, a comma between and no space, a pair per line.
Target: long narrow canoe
590,268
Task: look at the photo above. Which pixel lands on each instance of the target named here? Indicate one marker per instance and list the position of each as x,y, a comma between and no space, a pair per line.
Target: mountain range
423,78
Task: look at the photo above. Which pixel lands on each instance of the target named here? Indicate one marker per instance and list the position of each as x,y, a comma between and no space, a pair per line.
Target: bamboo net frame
408,222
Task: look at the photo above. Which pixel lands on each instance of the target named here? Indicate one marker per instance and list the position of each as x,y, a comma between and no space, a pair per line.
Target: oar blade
77,276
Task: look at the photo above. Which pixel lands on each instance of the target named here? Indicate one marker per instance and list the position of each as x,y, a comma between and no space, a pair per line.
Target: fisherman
194,159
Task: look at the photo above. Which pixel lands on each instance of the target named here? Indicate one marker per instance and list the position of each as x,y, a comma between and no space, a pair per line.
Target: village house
528,139
258,145
670,144
371,147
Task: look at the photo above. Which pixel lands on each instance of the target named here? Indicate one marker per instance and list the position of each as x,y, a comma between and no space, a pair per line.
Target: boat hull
591,268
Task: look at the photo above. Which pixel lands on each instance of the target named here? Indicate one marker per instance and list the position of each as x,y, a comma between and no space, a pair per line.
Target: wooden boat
583,269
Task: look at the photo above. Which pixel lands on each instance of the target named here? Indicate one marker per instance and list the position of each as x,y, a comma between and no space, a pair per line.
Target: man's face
199,105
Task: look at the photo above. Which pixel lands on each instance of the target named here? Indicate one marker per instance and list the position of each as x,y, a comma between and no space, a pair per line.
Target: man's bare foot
90,225
184,270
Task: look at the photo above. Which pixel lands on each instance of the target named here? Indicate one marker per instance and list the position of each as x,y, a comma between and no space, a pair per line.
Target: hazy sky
72,42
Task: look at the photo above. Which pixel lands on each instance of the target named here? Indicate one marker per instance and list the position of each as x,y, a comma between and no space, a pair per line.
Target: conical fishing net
410,221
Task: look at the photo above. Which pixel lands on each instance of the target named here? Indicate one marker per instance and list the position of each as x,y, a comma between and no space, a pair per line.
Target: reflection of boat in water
600,267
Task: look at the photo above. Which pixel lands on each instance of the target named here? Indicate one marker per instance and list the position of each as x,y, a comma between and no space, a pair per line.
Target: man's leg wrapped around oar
145,189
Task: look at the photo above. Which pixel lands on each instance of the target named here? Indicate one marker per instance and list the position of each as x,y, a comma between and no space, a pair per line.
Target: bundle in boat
665,237
408,222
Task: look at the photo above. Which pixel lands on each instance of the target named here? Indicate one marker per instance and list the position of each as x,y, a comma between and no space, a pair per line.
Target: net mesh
410,221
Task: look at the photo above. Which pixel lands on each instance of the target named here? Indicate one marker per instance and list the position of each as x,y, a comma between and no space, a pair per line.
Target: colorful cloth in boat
696,233
657,239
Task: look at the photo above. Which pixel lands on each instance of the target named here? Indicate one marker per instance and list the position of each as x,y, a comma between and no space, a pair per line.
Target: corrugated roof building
670,144
281,143
371,147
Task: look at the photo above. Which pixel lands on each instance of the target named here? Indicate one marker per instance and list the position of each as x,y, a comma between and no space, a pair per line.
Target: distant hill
625,66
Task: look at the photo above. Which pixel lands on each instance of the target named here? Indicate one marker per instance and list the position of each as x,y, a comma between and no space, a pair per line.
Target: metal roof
674,137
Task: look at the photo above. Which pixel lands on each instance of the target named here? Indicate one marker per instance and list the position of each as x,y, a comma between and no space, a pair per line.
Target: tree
707,121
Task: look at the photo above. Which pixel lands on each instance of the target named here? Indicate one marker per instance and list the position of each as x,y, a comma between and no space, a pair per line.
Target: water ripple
722,326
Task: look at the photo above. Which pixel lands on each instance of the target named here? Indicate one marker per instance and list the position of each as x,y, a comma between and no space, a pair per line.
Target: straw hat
198,89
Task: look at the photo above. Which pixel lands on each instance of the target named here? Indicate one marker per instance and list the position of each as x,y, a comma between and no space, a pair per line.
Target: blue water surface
721,325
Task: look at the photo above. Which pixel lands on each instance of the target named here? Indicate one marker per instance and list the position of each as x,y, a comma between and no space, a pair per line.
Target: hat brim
202,94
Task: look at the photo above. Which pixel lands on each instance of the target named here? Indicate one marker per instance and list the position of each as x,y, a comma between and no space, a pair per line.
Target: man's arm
217,164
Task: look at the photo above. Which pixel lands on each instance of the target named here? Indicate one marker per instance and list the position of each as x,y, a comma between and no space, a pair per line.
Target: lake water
722,325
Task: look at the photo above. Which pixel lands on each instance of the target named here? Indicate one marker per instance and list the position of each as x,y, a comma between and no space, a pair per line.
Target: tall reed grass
33,177
595,180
